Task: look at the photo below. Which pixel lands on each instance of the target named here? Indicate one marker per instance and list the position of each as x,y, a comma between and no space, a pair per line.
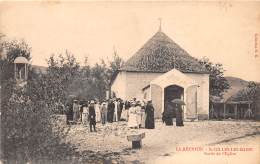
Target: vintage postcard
154,82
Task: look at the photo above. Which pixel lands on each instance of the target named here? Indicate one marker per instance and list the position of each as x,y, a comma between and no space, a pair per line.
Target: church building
162,71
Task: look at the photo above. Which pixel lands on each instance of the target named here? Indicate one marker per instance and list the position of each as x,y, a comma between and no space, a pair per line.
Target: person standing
80,111
115,111
143,115
103,111
149,110
76,111
138,113
92,116
85,114
132,120
110,108
119,108
97,110
168,114
179,120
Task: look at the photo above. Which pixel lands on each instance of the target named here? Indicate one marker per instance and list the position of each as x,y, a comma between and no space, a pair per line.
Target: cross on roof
160,24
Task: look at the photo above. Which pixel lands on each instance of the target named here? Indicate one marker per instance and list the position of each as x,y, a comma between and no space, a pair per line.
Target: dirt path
160,144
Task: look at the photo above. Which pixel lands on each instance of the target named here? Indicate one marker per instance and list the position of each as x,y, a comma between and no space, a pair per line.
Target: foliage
115,64
95,80
10,50
217,82
54,85
100,79
26,131
247,94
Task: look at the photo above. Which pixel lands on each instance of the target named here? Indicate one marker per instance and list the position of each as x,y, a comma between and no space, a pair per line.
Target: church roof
162,54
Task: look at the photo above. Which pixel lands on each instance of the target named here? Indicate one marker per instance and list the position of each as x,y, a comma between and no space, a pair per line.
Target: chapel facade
162,71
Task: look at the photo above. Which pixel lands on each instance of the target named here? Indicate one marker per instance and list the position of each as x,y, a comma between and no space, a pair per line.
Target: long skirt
143,117
75,116
84,118
132,121
149,121
179,120
124,115
98,116
110,115
139,118
103,117
115,119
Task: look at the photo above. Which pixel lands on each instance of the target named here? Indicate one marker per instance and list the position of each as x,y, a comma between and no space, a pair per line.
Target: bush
27,132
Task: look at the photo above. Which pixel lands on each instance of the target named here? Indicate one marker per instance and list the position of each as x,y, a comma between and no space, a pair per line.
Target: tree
217,82
26,129
95,81
54,86
248,94
115,64
9,51
100,79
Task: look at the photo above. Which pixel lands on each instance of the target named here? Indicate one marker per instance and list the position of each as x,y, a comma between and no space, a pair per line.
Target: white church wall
119,85
136,81
130,84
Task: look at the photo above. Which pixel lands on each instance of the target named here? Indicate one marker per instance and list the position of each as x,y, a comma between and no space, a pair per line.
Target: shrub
27,132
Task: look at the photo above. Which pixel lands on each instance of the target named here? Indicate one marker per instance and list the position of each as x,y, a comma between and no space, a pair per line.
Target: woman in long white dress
138,114
132,119
115,112
85,115
98,113
124,115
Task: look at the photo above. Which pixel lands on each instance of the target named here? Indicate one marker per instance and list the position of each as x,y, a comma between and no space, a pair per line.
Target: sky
225,32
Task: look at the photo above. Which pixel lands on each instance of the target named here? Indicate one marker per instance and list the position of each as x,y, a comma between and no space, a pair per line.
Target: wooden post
15,75
236,111
24,72
224,115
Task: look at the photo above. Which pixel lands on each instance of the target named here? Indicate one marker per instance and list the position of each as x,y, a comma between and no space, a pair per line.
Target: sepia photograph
129,82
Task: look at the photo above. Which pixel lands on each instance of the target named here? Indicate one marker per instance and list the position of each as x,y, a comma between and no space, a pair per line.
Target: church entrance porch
170,93
174,85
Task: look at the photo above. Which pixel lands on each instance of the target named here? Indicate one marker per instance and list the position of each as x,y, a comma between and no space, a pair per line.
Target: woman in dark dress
168,114
179,120
110,111
149,111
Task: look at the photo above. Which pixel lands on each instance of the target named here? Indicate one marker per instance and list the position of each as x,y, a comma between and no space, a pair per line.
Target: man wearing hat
92,116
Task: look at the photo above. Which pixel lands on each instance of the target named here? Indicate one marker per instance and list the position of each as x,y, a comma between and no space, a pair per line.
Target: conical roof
162,54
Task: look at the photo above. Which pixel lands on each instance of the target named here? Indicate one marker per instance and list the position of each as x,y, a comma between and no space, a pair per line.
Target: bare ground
109,143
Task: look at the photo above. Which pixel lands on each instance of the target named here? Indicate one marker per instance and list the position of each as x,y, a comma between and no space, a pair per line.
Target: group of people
172,110
141,115
138,113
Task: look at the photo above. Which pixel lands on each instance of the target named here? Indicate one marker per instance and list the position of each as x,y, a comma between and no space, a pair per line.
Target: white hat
92,102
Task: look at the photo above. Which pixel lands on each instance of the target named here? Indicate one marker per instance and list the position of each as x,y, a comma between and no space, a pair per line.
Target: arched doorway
170,93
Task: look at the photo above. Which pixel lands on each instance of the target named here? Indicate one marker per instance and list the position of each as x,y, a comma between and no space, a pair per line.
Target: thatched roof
162,54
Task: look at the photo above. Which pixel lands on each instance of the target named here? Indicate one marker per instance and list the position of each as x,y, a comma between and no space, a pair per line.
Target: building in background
162,71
